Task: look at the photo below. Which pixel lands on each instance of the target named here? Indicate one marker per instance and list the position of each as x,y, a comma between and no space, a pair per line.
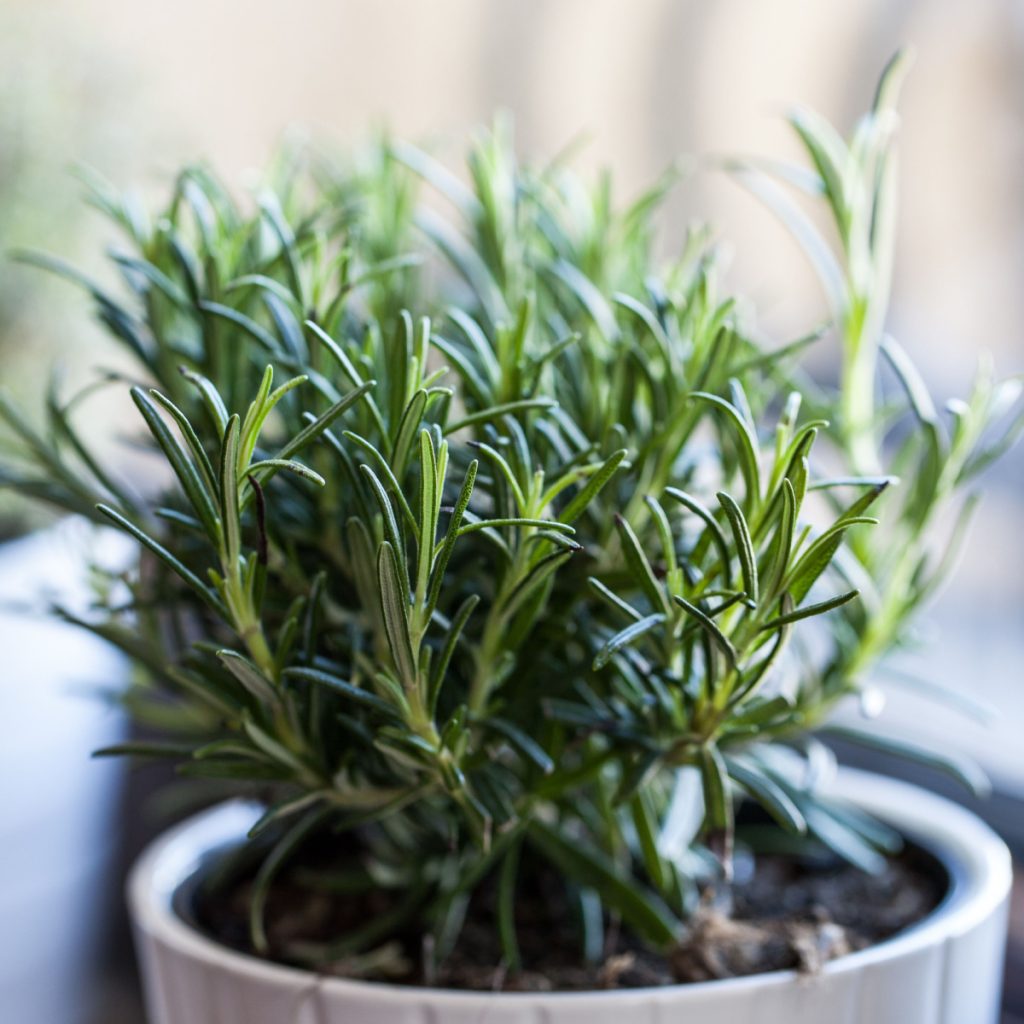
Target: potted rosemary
510,583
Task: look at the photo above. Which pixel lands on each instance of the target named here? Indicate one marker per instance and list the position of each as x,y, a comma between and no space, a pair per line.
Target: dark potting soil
791,913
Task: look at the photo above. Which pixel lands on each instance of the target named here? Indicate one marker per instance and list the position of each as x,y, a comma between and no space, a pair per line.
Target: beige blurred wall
647,80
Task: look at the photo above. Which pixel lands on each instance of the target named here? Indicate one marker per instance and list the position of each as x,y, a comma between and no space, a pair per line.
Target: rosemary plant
483,536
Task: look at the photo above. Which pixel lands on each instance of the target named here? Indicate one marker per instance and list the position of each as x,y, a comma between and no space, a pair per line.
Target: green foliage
937,459
503,580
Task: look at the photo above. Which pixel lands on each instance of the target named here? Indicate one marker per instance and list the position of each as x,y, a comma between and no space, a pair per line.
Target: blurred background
135,88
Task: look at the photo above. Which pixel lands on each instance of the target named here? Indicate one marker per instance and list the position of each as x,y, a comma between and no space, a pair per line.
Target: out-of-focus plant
504,576
934,459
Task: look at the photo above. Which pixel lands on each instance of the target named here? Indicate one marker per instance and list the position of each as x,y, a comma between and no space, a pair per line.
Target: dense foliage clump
489,531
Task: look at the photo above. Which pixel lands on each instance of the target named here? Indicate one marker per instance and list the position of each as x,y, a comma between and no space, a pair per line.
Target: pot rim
977,860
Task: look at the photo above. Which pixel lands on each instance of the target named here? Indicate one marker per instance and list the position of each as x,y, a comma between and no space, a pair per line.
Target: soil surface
789,913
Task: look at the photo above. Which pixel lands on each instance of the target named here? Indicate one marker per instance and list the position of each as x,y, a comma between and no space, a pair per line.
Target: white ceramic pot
945,970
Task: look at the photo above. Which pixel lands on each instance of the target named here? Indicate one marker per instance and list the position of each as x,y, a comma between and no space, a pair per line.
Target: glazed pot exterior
946,969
